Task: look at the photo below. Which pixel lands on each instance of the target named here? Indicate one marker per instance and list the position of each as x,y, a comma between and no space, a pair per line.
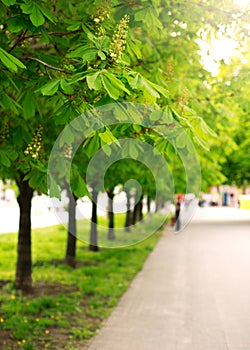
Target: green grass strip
68,305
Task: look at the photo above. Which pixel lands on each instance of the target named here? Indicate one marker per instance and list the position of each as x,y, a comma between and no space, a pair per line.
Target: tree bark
137,214
111,233
93,231
23,279
244,187
157,206
129,216
148,204
70,258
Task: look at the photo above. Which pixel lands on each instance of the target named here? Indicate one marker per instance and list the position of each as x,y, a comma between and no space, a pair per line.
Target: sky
223,47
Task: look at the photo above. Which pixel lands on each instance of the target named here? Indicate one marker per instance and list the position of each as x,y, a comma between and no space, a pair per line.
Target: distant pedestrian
177,215
232,200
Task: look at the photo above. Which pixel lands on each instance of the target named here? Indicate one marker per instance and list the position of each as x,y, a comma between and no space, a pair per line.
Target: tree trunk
129,217
148,204
157,206
137,214
141,208
111,234
93,231
162,203
23,280
70,258
244,187
149,214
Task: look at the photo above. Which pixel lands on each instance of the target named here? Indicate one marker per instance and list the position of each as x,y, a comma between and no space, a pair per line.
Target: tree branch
22,37
52,33
49,65
48,73
19,40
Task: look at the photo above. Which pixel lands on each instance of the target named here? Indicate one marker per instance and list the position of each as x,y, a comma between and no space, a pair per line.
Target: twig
42,46
22,37
19,40
52,33
47,71
49,65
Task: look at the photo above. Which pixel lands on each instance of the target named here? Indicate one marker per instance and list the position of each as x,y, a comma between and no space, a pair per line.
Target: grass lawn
68,305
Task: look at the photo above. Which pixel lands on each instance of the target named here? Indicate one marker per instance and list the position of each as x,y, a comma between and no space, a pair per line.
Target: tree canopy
61,60
75,72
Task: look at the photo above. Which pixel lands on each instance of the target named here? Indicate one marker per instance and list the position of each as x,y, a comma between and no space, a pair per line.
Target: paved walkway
193,292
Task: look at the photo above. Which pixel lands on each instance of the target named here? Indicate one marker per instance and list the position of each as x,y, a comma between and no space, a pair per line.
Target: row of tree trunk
23,278
132,217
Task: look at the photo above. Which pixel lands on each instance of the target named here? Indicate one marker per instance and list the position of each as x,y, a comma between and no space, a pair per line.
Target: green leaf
66,87
140,15
94,81
156,115
135,48
148,16
107,150
68,136
52,18
133,81
108,137
74,26
206,129
15,24
91,37
45,36
160,89
175,114
115,82
101,54
8,103
85,53
180,141
152,18
66,113
4,160
36,17
51,87
131,149
161,145
134,114
9,2
16,61
111,90
28,106
201,142
120,112
54,190
147,87
78,187
36,178
168,116
89,54
137,128
27,8
12,154
92,146
11,62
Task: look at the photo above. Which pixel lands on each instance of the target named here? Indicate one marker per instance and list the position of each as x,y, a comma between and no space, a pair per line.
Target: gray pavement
193,292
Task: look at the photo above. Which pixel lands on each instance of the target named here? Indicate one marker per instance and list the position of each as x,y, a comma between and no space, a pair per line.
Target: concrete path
193,292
